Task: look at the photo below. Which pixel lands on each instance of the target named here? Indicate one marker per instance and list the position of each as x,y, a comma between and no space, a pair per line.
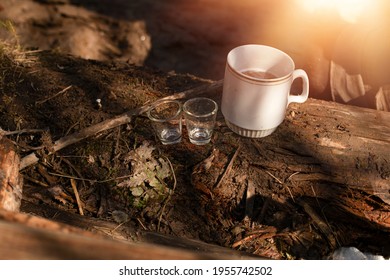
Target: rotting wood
337,156
350,145
11,182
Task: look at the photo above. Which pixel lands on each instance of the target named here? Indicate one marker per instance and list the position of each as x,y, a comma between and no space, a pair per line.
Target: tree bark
347,146
11,183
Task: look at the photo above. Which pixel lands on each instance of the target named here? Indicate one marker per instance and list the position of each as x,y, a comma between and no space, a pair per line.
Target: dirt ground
69,64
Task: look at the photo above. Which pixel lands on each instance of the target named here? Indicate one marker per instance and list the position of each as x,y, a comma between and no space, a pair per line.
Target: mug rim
261,80
270,81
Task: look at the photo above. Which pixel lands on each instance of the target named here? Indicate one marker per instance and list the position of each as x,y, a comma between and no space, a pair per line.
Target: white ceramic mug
256,89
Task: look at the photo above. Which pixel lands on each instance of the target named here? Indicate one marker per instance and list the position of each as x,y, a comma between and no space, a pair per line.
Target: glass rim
158,103
213,112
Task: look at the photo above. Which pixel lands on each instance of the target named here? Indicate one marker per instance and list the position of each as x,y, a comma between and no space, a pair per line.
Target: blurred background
190,36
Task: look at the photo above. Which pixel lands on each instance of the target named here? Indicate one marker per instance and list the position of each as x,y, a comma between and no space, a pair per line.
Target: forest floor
67,65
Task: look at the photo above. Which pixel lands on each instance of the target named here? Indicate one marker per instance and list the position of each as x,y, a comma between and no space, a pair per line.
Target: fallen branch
22,131
117,121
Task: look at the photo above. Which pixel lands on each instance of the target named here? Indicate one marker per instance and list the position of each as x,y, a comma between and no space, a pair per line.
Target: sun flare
349,10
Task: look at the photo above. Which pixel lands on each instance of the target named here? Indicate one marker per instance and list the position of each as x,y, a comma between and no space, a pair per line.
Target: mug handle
299,73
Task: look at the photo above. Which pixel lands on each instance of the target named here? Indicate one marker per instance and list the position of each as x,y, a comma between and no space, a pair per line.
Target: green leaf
148,173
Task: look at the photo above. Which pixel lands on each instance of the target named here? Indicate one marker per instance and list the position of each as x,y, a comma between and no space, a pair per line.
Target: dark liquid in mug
259,74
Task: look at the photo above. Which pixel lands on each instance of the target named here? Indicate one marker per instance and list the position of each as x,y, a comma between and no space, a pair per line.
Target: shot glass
200,114
166,121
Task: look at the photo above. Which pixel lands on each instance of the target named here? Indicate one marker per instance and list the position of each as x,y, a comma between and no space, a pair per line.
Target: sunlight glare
349,10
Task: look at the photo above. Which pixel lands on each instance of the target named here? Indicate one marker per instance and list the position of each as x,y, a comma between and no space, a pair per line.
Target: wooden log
69,222
23,236
334,154
21,242
11,183
347,145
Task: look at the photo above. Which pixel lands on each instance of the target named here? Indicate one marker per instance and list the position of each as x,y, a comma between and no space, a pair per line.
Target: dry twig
259,234
76,194
55,95
22,131
228,168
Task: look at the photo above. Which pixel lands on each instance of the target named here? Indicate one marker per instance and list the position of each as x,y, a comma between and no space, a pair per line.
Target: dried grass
12,53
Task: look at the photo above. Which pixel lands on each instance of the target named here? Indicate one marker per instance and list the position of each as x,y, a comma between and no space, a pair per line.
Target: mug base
248,132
